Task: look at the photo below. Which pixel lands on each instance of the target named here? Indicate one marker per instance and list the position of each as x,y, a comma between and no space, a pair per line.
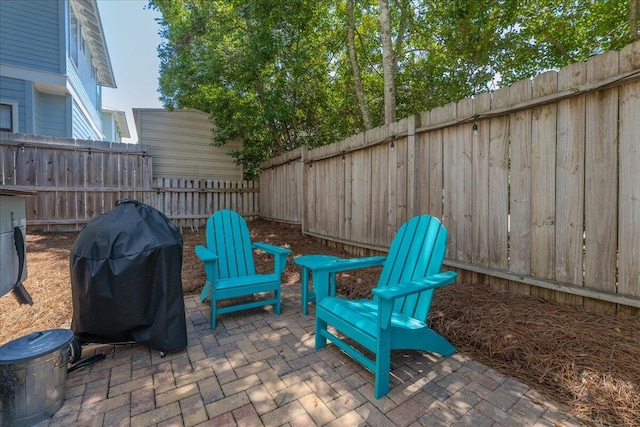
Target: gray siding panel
30,31
180,143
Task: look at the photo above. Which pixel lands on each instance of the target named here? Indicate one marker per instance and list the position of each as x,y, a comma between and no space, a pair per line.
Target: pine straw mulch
587,361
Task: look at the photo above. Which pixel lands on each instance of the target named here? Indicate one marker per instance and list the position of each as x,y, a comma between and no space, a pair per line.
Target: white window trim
14,113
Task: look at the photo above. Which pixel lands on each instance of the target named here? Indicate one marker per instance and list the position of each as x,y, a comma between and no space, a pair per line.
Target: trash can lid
34,345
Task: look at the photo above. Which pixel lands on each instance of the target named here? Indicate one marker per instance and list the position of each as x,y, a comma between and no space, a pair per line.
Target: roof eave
89,15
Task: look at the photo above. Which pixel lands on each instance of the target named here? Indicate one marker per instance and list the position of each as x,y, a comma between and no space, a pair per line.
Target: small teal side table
309,262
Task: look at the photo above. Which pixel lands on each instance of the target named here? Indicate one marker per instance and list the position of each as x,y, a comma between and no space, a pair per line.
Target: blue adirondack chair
229,266
396,316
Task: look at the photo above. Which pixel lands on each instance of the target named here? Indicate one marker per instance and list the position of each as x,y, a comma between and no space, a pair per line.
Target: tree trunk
362,100
388,63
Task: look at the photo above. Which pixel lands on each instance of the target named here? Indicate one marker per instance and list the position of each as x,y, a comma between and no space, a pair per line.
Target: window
73,49
81,40
8,116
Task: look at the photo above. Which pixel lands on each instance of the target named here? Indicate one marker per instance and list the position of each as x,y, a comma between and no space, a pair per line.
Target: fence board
464,135
316,205
499,189
26,175
361,197
399,212
309,207
520,187
398,183
422,167
323,181
543,167
412,141
332,194
453,181
480,184
601,190
45,176
436,163
383,191
570,183
348,191
629,212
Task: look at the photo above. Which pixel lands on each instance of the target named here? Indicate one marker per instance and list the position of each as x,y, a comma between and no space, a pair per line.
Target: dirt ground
590,362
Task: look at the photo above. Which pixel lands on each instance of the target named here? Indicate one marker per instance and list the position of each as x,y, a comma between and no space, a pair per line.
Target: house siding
88,92
37,116
83,78
14,90
82,95
41,74
82,128
30,31
110,128
52,114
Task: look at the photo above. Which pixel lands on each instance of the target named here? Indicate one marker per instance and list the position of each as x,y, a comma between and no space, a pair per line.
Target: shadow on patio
260,369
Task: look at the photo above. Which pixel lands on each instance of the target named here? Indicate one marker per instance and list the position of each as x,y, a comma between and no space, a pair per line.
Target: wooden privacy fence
537,184
190,202
77,180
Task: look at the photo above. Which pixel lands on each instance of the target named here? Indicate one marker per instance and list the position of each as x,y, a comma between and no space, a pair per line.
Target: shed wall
181,145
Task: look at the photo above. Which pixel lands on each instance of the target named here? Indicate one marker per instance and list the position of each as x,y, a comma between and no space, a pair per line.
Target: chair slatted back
416,252
228,236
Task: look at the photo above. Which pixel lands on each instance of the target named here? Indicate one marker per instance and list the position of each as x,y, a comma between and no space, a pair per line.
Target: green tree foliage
277,74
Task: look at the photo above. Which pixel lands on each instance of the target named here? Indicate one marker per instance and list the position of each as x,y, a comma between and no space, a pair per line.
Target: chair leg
438,344
382,377
383,364
214,313
304,290
321,325
276,306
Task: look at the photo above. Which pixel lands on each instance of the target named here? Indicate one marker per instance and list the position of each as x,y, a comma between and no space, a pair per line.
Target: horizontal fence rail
537,184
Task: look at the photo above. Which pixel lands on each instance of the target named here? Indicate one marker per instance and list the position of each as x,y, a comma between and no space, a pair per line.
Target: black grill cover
126,280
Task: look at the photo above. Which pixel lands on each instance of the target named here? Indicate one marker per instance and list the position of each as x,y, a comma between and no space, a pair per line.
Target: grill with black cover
126,267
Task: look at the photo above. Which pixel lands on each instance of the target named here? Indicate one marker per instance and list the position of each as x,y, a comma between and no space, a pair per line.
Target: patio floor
259,369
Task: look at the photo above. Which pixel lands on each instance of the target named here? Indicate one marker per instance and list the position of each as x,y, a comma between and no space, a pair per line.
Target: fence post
412,173
303,197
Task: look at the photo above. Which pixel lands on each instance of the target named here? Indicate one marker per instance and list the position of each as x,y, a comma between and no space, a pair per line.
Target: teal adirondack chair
396,316
229,266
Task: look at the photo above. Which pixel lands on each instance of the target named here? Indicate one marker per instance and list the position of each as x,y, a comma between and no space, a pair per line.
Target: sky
132,39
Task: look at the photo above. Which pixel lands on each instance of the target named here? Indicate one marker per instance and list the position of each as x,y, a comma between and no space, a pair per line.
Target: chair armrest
348,264
322,272
414,287
388,294
279,255
205,254
275,250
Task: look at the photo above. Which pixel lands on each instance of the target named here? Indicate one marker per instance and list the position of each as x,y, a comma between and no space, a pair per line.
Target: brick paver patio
260,369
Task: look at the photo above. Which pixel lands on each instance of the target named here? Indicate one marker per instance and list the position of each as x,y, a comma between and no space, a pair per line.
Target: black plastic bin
126,282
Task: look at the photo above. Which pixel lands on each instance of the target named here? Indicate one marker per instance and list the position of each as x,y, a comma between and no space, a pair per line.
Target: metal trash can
33,375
